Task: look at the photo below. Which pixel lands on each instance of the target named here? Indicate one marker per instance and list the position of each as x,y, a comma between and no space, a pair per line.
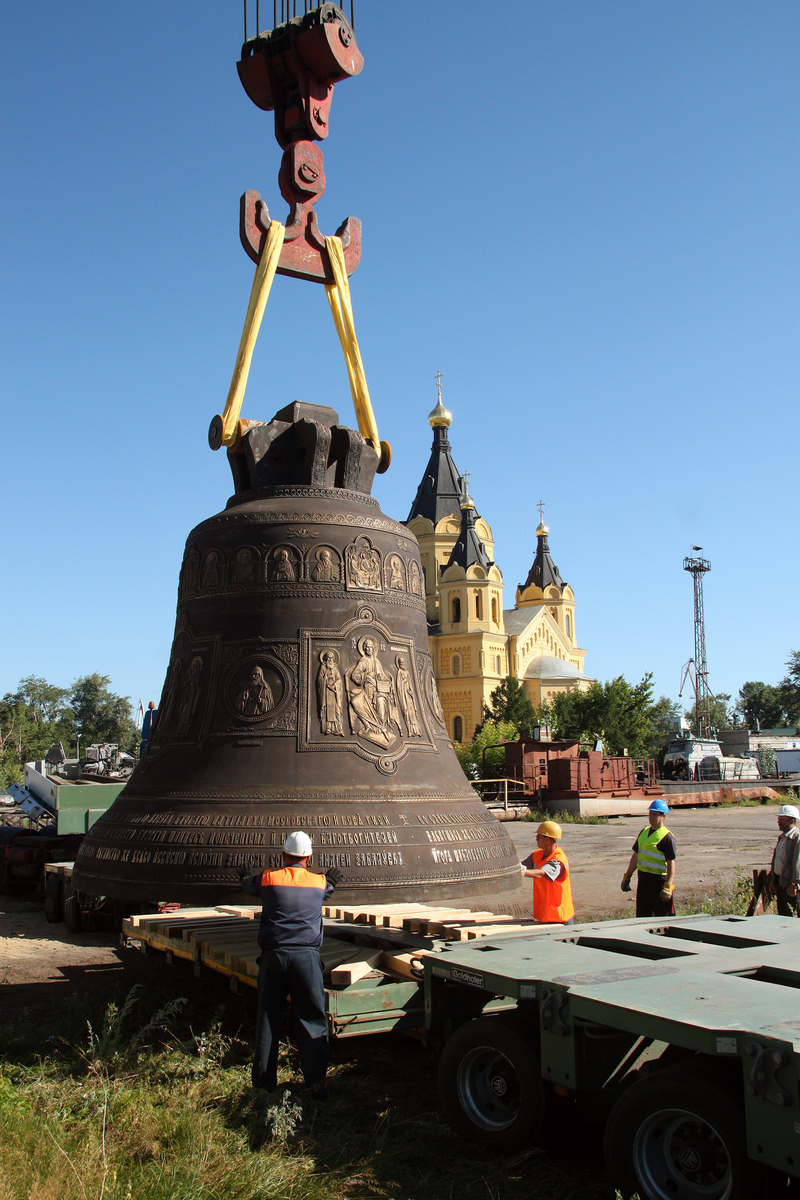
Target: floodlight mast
697,568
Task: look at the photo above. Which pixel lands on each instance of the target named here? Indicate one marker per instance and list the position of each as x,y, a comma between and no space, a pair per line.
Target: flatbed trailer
686,1031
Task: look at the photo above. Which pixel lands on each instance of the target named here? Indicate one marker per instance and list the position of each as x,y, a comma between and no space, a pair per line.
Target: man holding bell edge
290,936
653,859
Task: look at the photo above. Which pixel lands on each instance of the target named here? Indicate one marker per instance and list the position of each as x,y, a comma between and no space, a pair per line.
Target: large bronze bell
300,695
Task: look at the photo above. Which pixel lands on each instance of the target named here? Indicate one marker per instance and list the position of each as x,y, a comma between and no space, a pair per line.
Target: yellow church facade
474,642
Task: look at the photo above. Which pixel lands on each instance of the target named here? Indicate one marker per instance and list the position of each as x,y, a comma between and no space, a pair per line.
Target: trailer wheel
72,909
490,1084
53,898
673,1136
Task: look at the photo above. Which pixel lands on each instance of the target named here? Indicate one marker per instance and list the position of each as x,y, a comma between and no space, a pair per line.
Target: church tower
435,516
544,648
474,643
468,647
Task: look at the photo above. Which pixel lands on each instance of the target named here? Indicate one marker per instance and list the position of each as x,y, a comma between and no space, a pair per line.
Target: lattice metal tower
697,568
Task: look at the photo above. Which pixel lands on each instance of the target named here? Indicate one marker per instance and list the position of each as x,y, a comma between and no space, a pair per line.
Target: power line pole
697,567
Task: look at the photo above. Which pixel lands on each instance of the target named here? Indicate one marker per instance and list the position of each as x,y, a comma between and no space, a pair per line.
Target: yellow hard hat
550,829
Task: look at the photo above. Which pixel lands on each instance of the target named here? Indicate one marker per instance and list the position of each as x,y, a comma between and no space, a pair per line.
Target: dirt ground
43,965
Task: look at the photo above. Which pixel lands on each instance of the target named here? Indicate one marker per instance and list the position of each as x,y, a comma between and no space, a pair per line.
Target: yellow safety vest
649,858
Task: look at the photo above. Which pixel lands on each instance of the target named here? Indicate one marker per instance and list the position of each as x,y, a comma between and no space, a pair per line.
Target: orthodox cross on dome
465,477
438,377
540,507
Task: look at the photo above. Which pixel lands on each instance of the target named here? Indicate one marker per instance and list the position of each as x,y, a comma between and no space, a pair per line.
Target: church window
456,667
494,609
478,606
569,626
458,729
497,664
456,610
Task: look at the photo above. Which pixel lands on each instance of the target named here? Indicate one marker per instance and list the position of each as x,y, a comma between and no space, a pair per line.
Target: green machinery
688,1030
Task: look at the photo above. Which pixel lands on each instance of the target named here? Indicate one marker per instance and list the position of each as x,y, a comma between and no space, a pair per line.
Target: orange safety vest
552,898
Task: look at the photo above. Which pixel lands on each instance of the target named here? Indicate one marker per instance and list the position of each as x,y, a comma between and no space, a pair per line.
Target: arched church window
494,609
458,729
497,664
456,666
478,607
456,610
569,626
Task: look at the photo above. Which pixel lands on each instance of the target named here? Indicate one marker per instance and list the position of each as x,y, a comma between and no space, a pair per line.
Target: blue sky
584,214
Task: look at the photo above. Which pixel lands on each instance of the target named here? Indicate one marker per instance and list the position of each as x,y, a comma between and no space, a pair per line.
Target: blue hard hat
659,806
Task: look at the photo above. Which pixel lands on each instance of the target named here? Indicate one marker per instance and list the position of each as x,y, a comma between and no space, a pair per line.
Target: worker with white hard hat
784,872
548,867
653,860
290,935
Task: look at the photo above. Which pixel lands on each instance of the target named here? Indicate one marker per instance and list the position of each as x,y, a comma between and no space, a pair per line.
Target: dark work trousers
648,891
296,973
787,905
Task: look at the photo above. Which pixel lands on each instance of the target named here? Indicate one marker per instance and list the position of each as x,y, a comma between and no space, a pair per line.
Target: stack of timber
372,954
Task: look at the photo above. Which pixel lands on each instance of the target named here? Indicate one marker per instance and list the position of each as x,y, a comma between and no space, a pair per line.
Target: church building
474,642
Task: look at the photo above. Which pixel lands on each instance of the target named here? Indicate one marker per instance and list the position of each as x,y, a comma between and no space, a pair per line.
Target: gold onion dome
541,529
440,416
466,500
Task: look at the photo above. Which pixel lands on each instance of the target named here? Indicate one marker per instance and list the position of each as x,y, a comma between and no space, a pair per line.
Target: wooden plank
223,927
216,945
138,918
425,921
250,911
348,973
248,953
400,964
467,933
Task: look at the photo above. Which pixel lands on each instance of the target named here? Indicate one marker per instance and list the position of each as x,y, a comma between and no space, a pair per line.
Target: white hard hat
298,843
789,810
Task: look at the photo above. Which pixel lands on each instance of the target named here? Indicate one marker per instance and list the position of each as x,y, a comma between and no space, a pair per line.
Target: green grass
563,818
151,1101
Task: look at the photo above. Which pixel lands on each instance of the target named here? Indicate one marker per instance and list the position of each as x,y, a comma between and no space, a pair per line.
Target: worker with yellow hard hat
549,870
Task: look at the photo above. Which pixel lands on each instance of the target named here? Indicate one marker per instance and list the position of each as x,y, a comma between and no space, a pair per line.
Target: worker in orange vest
549,870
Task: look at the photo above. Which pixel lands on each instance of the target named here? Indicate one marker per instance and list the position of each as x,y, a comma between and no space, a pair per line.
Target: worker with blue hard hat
653,859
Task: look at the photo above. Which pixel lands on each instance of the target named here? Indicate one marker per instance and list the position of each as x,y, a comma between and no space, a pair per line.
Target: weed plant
150,1099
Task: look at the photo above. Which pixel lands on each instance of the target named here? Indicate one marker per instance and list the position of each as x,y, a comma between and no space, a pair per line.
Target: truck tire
53,898
72,909
674,1135
490,1084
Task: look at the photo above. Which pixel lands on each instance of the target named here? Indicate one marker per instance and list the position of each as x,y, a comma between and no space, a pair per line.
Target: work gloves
243,870
666,892
626,883
333,876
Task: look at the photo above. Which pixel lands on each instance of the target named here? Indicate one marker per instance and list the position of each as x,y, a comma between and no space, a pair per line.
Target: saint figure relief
191,566
371,701
283,569
405,694
210,573
396,573
325,569
364,566
255,698
169,696
329,693
191,694
413,578
244,567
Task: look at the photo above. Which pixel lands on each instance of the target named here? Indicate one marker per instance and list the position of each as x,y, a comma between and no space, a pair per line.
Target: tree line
621,715
39,713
